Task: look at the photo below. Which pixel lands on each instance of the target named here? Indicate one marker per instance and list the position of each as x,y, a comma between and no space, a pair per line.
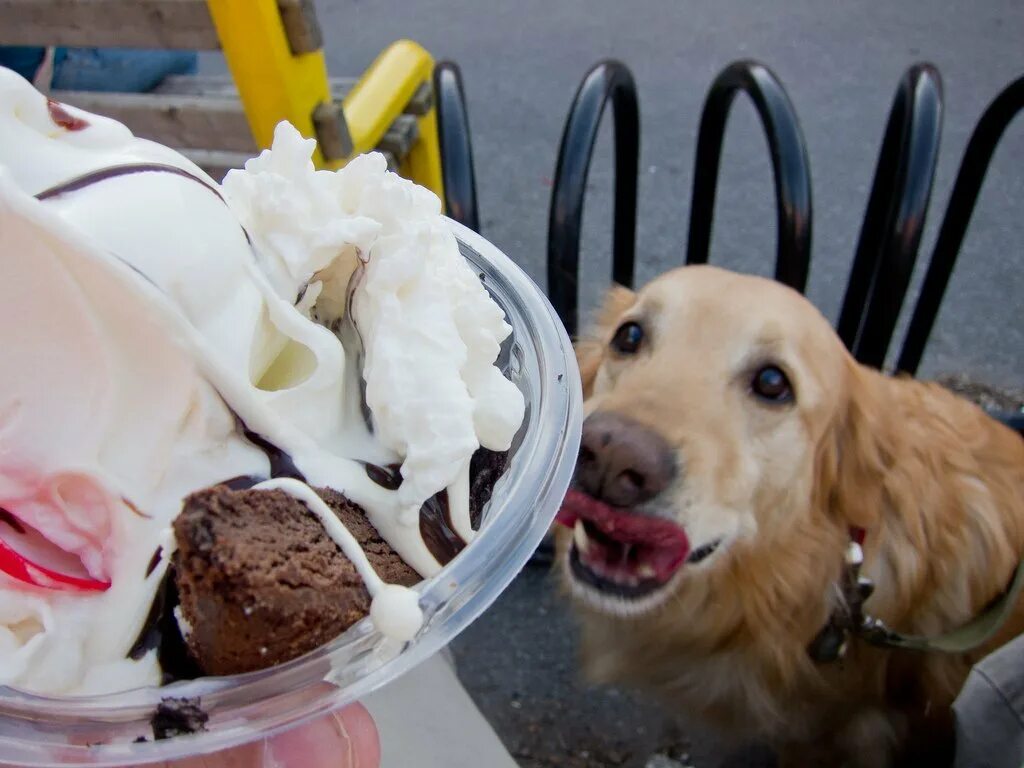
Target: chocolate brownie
261,583
177,717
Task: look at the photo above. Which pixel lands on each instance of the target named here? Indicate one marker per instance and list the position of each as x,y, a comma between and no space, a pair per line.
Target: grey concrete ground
840,62
518,662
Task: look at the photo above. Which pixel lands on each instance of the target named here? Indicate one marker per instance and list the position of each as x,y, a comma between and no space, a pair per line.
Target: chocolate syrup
436,526
281,462
161,631
113,171
154,561
11,520
485,469
63,118
437,530
388,477
135,510
243,482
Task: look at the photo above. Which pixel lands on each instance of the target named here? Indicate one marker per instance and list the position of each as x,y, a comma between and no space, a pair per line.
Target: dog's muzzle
616,549
619,552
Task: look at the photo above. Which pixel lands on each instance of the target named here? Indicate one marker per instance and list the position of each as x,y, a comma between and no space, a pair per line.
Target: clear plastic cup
101,730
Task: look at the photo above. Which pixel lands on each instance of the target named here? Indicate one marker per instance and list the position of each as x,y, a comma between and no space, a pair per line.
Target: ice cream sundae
234,419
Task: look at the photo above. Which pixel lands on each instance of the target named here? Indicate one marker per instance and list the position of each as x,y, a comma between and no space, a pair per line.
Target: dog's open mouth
622,552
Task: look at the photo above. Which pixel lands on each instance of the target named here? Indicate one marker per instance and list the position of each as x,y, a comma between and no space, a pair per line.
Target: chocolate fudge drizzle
11,520
437,530
127,169
388,477
436,527
243,482
154,561
161,631
113,171
281,462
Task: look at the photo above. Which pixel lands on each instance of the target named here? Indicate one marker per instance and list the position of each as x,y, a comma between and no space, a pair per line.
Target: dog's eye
771,384
628,337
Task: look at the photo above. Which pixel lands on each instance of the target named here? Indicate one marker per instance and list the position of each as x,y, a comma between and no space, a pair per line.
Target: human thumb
344,739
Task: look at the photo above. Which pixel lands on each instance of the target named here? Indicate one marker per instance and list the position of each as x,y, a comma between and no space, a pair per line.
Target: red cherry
16,565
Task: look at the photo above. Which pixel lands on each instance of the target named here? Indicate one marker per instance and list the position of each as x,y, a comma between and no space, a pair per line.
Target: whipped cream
429,330
146,313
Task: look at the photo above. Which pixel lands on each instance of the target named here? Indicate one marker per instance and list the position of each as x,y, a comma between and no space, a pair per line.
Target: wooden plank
224,85
198,85
332,131
108,23
300,25
400,136
139,24
421,102
214,122
217,121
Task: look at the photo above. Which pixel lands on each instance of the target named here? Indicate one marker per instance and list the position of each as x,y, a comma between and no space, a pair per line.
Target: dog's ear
591,344
588,355
856,454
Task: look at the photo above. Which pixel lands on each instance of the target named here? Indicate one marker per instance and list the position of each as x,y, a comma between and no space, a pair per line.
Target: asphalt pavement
840,63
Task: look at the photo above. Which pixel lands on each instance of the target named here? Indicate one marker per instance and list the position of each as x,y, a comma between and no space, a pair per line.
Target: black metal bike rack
980,148
789,165
893,221
457,172
607,81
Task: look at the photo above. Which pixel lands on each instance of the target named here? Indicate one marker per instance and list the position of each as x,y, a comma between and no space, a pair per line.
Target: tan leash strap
968,637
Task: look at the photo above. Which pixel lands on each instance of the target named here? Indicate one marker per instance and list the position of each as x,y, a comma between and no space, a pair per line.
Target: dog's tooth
627,549
854,554
579,535
646,572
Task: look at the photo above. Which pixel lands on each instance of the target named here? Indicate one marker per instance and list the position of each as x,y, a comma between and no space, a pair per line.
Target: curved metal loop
789,164
894,220
608,80
457,172
980,149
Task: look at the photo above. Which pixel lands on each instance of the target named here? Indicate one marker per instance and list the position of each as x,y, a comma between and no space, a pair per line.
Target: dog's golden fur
937,485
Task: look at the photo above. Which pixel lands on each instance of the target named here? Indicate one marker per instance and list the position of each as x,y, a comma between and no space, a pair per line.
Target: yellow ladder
278,80
274,51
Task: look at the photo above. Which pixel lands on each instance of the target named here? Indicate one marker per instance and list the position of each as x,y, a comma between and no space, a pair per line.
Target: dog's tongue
622,525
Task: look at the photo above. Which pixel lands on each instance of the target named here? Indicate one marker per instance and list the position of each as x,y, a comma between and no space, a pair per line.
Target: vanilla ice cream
163,333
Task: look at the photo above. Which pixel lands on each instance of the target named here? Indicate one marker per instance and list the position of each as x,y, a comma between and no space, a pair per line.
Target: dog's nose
622,462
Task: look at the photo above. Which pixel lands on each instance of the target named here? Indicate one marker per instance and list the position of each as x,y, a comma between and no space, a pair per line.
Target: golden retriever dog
732,450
